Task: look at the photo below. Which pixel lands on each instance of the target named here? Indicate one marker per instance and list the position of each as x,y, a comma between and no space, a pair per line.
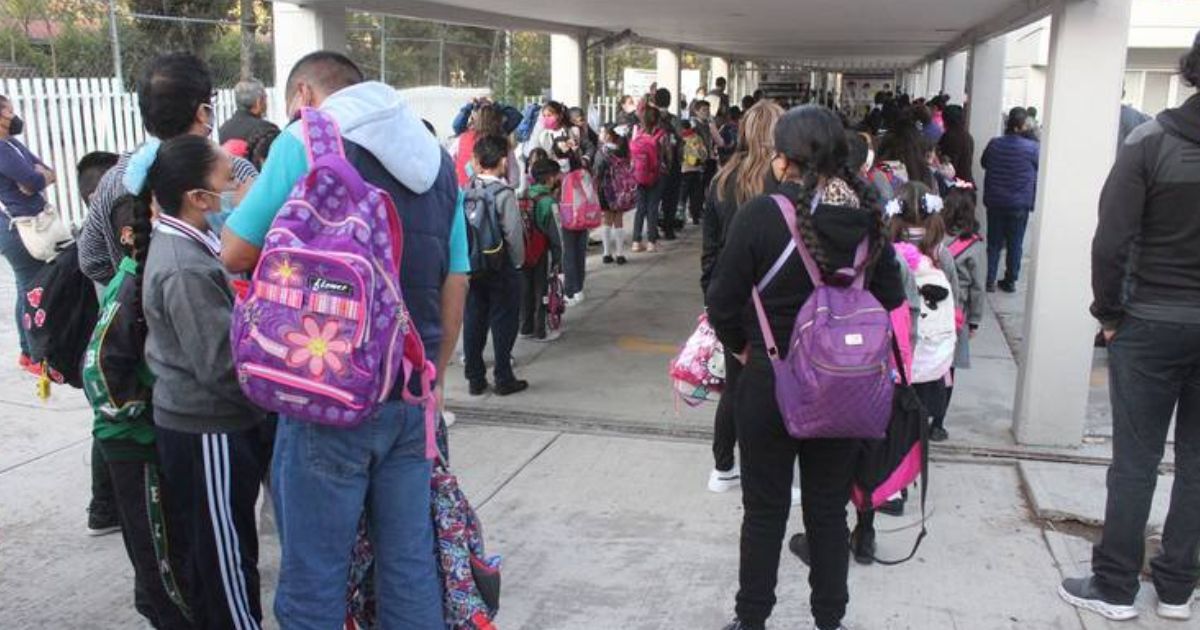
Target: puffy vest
427,219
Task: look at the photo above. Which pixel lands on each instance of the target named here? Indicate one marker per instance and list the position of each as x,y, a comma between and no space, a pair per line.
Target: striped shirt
99,251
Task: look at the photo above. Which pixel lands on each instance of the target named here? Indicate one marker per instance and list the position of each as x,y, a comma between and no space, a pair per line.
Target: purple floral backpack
322,334
836,381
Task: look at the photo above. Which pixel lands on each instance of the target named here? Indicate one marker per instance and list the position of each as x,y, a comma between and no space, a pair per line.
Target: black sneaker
895,507
102,520
991,287
862,544
621,260
738,624
608,260
511,387
1007,286
1081,593
477,388
938,434
798,545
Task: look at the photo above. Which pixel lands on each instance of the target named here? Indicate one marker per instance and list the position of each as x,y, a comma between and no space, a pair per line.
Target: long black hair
183,164
905,143
813,138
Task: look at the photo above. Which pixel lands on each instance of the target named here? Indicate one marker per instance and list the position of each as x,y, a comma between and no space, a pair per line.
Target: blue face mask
216,220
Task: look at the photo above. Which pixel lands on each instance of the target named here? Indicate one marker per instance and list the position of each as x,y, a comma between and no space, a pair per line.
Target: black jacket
1146,251
756,239
718,216
243,126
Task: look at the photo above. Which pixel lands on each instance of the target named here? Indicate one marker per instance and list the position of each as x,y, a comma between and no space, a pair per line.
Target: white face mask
870,160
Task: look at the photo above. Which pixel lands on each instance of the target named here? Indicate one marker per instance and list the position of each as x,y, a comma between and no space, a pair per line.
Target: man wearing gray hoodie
323,477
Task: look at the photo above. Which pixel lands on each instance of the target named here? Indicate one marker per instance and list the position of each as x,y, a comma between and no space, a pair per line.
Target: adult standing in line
323,476
23,177
668,214
835,210
747,175
1010,164
1147,298
249,119
956,143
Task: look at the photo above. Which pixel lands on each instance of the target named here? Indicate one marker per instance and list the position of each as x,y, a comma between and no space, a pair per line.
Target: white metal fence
66,119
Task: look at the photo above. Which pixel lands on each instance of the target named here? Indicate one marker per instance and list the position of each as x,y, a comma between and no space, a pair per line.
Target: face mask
870,159
550,122
16,126
611,146
226,198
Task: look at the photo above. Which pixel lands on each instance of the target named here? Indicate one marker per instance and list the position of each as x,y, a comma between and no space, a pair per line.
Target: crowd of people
877,203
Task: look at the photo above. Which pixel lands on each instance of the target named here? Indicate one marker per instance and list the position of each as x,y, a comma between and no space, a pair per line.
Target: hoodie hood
375,117
1184,120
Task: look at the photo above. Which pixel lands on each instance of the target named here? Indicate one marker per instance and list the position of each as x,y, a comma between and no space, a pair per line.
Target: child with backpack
969,250
618,191
695,159
917,228
210,438
496,244
543,248
648,151
118,384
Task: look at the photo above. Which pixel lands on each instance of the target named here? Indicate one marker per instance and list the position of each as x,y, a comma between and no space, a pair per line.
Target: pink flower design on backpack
318,346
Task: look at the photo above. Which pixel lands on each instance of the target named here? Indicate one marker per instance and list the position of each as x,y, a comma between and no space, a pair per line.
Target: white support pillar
936,70
986,101
668,74
567,68
955,82
1087,39
921,89
751,76
309,29
718,67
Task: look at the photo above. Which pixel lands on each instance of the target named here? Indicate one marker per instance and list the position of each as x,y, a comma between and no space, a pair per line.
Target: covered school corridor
928,46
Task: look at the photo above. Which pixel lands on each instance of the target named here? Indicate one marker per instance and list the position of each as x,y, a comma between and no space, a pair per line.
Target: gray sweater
187,303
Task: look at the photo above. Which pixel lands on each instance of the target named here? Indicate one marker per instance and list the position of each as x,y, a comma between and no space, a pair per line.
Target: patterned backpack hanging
470,577
698,371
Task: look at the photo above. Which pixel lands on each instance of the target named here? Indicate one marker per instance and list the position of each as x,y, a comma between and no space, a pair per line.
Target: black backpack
59,312
485,236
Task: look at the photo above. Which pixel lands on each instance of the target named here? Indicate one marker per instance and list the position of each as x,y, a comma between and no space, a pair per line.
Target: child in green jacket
542,199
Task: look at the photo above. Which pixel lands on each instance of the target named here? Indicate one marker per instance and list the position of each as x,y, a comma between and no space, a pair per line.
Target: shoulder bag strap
321,135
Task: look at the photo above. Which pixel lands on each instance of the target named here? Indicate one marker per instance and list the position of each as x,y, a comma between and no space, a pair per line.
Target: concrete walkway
592,488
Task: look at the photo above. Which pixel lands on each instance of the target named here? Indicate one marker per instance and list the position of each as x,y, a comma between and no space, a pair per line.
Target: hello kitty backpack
322,334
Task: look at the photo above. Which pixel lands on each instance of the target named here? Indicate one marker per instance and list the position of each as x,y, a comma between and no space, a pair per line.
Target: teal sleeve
459,260
285,165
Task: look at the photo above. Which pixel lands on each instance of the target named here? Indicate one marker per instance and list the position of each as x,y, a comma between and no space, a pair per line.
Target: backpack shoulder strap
788,212
961,244
321,135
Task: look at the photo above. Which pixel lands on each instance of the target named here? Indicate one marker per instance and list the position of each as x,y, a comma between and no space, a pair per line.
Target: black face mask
16,126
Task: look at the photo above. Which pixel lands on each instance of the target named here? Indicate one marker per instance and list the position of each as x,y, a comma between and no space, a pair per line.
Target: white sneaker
795,495
449,418
724,481
637,247
1180,612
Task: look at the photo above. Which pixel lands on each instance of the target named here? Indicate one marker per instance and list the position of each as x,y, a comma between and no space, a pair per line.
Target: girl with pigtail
835,211
118,385
917,228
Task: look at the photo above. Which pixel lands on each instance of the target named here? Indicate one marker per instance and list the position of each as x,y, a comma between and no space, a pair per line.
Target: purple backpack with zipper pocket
836,381
322,334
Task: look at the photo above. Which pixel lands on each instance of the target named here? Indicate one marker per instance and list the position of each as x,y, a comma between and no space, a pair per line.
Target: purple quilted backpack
836,381
322,334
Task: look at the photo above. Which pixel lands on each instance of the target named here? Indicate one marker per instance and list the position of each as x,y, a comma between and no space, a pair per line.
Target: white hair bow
933,203
893,209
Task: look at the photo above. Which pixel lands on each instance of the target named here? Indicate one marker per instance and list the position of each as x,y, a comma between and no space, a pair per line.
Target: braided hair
816,144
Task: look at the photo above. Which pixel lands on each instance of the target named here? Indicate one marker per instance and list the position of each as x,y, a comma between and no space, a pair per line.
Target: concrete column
936,68
309,29
567,67
955,82
986,99
921,89
751,76
718,67
668,74
1086,39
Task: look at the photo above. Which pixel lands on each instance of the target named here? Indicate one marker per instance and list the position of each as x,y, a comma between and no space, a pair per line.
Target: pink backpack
620,187
322,334
643,151
579,207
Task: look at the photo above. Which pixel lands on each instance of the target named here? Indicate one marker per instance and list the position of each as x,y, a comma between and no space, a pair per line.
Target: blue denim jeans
24,267
1006,233
322,479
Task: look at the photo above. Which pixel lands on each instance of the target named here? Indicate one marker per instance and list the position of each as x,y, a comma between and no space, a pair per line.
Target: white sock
619,237
608,231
